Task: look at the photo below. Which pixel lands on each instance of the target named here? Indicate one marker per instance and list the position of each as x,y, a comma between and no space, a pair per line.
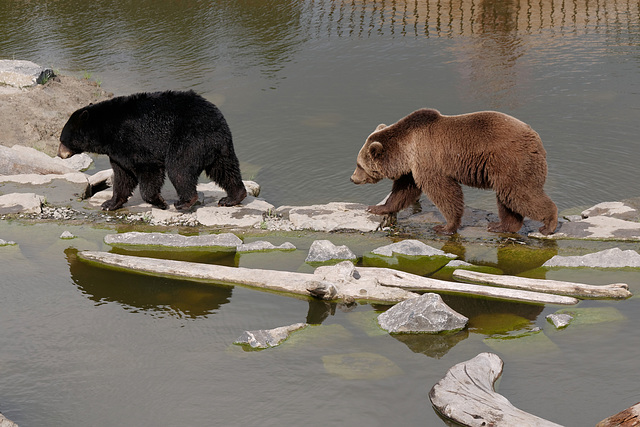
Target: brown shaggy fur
426,152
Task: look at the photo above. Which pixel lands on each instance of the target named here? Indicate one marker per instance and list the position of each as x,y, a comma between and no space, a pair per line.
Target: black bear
427,152
146,134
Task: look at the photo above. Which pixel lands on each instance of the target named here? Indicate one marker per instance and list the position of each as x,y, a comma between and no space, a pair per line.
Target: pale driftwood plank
630,417
401,279
282,281
466,395
579,290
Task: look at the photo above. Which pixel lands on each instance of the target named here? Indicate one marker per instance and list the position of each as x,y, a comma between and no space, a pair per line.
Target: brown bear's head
379,157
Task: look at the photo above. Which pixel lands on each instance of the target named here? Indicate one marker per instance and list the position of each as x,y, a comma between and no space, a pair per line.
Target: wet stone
173,240
265,338
410,247
426,313
260,246
324,250
560,320
609,258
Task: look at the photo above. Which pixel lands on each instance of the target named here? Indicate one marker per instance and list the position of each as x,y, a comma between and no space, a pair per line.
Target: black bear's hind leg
151,181
124,182
229,178
184,180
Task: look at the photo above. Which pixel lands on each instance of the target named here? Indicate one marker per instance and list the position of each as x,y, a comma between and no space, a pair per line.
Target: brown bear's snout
64,151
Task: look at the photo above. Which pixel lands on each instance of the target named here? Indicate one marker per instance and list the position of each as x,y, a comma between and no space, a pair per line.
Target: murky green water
302,83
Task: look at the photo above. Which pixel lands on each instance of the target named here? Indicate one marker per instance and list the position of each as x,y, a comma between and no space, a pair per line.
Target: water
302,84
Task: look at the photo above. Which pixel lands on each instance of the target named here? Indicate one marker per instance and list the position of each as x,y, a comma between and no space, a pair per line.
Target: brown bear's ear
376,149
380,127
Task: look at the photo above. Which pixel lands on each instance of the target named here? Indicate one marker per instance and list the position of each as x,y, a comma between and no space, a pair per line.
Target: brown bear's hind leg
510,221
446,193
403,193
124,183
546,211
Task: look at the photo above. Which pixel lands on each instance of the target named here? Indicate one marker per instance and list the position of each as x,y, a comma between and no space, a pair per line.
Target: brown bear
427,152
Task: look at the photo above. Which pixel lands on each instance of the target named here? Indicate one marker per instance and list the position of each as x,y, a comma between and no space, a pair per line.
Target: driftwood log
466,395
578,290
372,284
630,417
413,282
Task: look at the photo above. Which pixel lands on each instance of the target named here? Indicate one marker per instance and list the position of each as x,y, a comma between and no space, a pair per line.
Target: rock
60,189
596,228
264,246
104,178
324,250
609,258
248,214
21,203
21,74
266,338
77,162
213,190
426,313
25,160
560,320
227,240
67,235
618,210
331,217
456,263
592,315
7,242
412,248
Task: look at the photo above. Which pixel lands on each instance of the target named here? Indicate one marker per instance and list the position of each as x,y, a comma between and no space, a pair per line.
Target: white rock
609,258
559,320
264,246
67,235
332,216
173,240
426,313
265,338
410,247
21,203
324,250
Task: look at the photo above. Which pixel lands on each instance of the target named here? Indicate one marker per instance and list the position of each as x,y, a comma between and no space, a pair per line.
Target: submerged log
413,282
579,290
630,417
330,283
466,395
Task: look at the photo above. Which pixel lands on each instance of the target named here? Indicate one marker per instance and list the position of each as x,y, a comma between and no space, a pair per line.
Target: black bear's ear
376,149
84,116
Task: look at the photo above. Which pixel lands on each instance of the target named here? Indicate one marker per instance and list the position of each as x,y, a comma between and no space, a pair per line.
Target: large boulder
426,313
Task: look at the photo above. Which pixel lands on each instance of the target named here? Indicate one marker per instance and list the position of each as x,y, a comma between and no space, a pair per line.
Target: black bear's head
73,136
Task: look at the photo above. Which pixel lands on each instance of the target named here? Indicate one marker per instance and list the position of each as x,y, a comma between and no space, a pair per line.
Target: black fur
148,134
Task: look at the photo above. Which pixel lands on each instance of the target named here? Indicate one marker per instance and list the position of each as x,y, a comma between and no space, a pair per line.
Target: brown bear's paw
545,230
379,210
443,229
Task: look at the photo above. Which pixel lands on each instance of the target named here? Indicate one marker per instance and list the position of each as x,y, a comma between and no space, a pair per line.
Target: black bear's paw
112,205
228,201
182,205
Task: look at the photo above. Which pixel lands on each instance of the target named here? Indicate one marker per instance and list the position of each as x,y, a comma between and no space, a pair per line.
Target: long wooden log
579,290
466,395
413,282
282,281
372,284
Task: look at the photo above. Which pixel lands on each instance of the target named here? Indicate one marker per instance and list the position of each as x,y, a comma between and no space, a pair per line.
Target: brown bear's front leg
403,193
446,194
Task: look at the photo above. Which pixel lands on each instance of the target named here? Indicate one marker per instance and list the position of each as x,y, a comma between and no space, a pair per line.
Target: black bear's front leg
124,182
403,193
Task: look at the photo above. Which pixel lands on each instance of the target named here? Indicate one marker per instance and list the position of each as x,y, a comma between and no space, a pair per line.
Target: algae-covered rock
424,314
446,272
266,338
367,321
360,366
420,265
592,315
324,250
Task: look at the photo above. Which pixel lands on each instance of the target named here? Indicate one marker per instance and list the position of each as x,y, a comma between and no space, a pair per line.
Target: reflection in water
147,294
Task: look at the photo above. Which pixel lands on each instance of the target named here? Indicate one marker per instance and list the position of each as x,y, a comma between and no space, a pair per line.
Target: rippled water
302,84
